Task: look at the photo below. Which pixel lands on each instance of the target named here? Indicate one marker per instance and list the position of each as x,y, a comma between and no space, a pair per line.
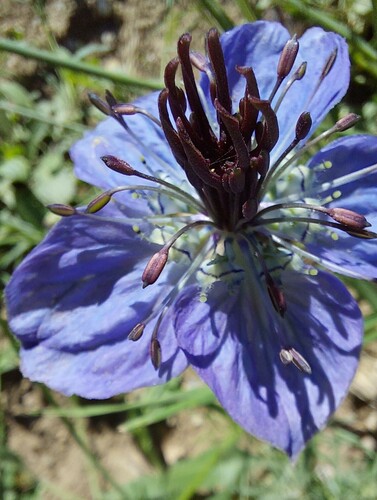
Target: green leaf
8,359
16,93
15,169
53,179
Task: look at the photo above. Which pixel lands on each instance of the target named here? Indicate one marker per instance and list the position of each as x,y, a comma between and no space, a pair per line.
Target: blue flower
217,255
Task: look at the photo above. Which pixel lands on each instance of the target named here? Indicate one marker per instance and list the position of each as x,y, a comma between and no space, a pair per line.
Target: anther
346,122
361,233
303,125
276,296
287,57
122,167
236,180
136,332
99,103
130,109
325,71
98,203
62,210
155,267
348,218
286,61
118,165
155,353
110,99
285,357
290,355
300,72
329,63
300,362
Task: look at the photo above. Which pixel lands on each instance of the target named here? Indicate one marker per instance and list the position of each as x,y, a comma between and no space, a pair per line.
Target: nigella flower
217,255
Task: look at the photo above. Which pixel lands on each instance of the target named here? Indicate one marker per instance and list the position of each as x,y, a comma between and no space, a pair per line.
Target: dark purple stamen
226,168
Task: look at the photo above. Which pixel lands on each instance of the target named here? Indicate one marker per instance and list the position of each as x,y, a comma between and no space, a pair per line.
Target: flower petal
316,46
346,254
73,301
347,155
234,340
259,45
147,150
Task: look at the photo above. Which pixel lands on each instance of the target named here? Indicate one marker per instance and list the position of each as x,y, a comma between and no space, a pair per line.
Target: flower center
226,162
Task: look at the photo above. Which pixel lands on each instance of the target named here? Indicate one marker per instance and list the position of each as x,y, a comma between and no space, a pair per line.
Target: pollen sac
329,63
136,332
276,296
154,267
290,355
125,109
303,125
99,103
118,165
155,353
362,233
99,202
347,122
349,218
62,210
300,362
285,357
300,72
288,57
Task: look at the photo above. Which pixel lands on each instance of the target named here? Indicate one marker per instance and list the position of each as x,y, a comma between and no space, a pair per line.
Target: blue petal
72,303
347,255
259,45
150,153
233,342
316,46
347,155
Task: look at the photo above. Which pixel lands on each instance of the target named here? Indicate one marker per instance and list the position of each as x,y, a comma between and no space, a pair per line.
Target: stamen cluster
226,165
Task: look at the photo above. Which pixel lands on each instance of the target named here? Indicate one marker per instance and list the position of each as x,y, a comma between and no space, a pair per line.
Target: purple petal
316,45
347,255
150,153
106,370
347,155
234,340
73,301
259,45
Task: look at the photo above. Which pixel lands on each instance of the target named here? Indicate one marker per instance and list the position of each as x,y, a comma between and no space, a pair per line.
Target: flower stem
71,62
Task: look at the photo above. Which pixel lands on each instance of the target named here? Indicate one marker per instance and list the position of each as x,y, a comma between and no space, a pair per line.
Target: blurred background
172,441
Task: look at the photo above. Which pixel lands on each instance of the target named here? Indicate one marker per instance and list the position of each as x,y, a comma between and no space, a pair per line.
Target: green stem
247,10
214,8
70,62
374,18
